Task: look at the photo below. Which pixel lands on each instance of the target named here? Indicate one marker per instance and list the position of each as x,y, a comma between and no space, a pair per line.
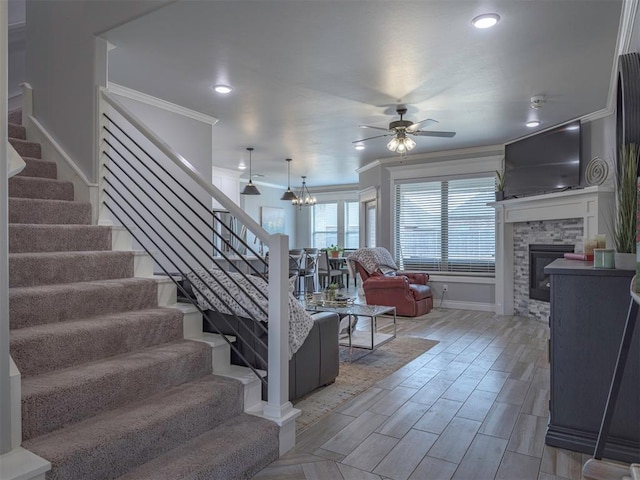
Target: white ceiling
307,73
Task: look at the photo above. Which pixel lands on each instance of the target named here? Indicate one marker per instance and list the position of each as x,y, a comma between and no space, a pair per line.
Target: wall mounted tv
542,163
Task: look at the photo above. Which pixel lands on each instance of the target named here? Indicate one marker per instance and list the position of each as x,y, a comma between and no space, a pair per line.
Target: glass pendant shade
401,143
250,188
288,194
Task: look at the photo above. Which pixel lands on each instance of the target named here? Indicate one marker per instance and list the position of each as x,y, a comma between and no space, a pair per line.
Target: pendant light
250,188
289,194
304,198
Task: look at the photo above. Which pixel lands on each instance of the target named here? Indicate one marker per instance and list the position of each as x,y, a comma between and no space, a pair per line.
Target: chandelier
304,198
250,188
401,143
289,195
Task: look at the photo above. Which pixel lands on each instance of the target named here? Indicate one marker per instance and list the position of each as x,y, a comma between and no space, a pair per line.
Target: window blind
446,225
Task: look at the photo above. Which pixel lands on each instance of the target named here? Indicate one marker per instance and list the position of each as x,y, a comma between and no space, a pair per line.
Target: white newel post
278,408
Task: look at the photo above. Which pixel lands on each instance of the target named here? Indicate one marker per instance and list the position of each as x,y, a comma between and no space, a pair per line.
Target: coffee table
360,338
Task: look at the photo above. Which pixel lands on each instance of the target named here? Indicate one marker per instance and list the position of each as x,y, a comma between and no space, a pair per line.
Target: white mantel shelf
593,204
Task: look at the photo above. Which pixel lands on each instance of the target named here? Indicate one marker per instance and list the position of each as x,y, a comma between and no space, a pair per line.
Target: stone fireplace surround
575,213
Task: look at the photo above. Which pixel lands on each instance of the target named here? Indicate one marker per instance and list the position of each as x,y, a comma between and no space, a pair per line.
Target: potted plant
334,251
626,207
499,185
330,293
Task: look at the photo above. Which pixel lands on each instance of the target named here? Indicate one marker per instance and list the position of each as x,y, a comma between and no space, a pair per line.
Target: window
335,223
446,225
352,225
324,225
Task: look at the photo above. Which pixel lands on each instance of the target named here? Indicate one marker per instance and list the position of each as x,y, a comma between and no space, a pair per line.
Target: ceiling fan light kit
250,188
401,143
400,129
289,194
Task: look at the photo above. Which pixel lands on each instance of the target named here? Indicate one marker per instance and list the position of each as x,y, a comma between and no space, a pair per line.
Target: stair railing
165,203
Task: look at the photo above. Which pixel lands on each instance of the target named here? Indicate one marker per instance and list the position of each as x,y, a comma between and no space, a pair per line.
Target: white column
278,325
278,408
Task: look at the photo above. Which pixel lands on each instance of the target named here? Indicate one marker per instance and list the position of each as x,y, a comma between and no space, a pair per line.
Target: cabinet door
588,314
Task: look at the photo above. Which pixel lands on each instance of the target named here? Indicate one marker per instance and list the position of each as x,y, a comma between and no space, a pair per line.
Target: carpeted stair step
43,188
48,268
25,238
36,167
55,399
25,148
45,348
114,442
30,306
28,210
237,449
17,131
15,116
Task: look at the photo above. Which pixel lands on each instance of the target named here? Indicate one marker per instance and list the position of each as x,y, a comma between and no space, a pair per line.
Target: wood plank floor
475,406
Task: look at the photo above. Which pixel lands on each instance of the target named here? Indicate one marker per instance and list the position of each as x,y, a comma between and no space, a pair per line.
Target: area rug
365,369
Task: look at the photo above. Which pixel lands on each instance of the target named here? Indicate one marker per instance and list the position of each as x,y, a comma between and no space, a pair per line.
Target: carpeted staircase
110,389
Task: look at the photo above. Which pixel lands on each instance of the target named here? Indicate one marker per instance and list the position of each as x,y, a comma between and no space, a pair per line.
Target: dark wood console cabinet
588,313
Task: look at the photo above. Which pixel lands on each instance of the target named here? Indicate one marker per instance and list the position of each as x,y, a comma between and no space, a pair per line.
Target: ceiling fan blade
427,122
375,128
422,133
371,138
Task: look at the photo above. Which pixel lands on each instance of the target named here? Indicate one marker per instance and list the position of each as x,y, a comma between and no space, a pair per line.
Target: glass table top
353,309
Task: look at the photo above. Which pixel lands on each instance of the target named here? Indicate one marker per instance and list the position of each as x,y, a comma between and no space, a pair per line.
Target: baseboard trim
460,305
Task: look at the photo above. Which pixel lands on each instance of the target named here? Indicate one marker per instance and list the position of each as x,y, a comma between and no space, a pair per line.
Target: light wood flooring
475,406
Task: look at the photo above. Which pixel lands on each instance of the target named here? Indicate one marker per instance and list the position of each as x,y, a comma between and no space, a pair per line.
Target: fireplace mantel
593,204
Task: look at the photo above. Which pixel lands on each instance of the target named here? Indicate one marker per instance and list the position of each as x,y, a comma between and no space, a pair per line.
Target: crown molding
159,103
369,166
623,45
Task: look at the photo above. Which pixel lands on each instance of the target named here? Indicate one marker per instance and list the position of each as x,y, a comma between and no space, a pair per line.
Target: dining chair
344,267
296,261
326,273
309,272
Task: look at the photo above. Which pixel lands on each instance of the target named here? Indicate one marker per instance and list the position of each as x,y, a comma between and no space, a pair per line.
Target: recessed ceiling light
359,146
486,20
533,124
224,89
242,166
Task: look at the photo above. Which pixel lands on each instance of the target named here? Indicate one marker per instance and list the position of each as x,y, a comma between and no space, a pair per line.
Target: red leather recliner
407,291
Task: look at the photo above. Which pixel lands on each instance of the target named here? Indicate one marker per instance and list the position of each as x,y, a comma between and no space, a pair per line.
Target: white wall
269,197
192,140
61,66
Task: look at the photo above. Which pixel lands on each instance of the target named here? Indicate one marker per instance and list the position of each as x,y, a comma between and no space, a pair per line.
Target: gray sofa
315,364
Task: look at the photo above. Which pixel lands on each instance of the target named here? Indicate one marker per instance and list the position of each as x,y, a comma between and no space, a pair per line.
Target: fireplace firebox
539,257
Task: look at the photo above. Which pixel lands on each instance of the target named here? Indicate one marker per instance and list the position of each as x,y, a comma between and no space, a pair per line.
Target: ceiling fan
400,142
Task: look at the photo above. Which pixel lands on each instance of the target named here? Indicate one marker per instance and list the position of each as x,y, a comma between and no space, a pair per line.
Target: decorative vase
625,261
499,195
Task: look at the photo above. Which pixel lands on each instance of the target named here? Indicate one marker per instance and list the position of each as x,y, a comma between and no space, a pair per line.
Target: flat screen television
542,163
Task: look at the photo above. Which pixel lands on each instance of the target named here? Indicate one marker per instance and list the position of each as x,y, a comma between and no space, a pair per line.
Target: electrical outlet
445,287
